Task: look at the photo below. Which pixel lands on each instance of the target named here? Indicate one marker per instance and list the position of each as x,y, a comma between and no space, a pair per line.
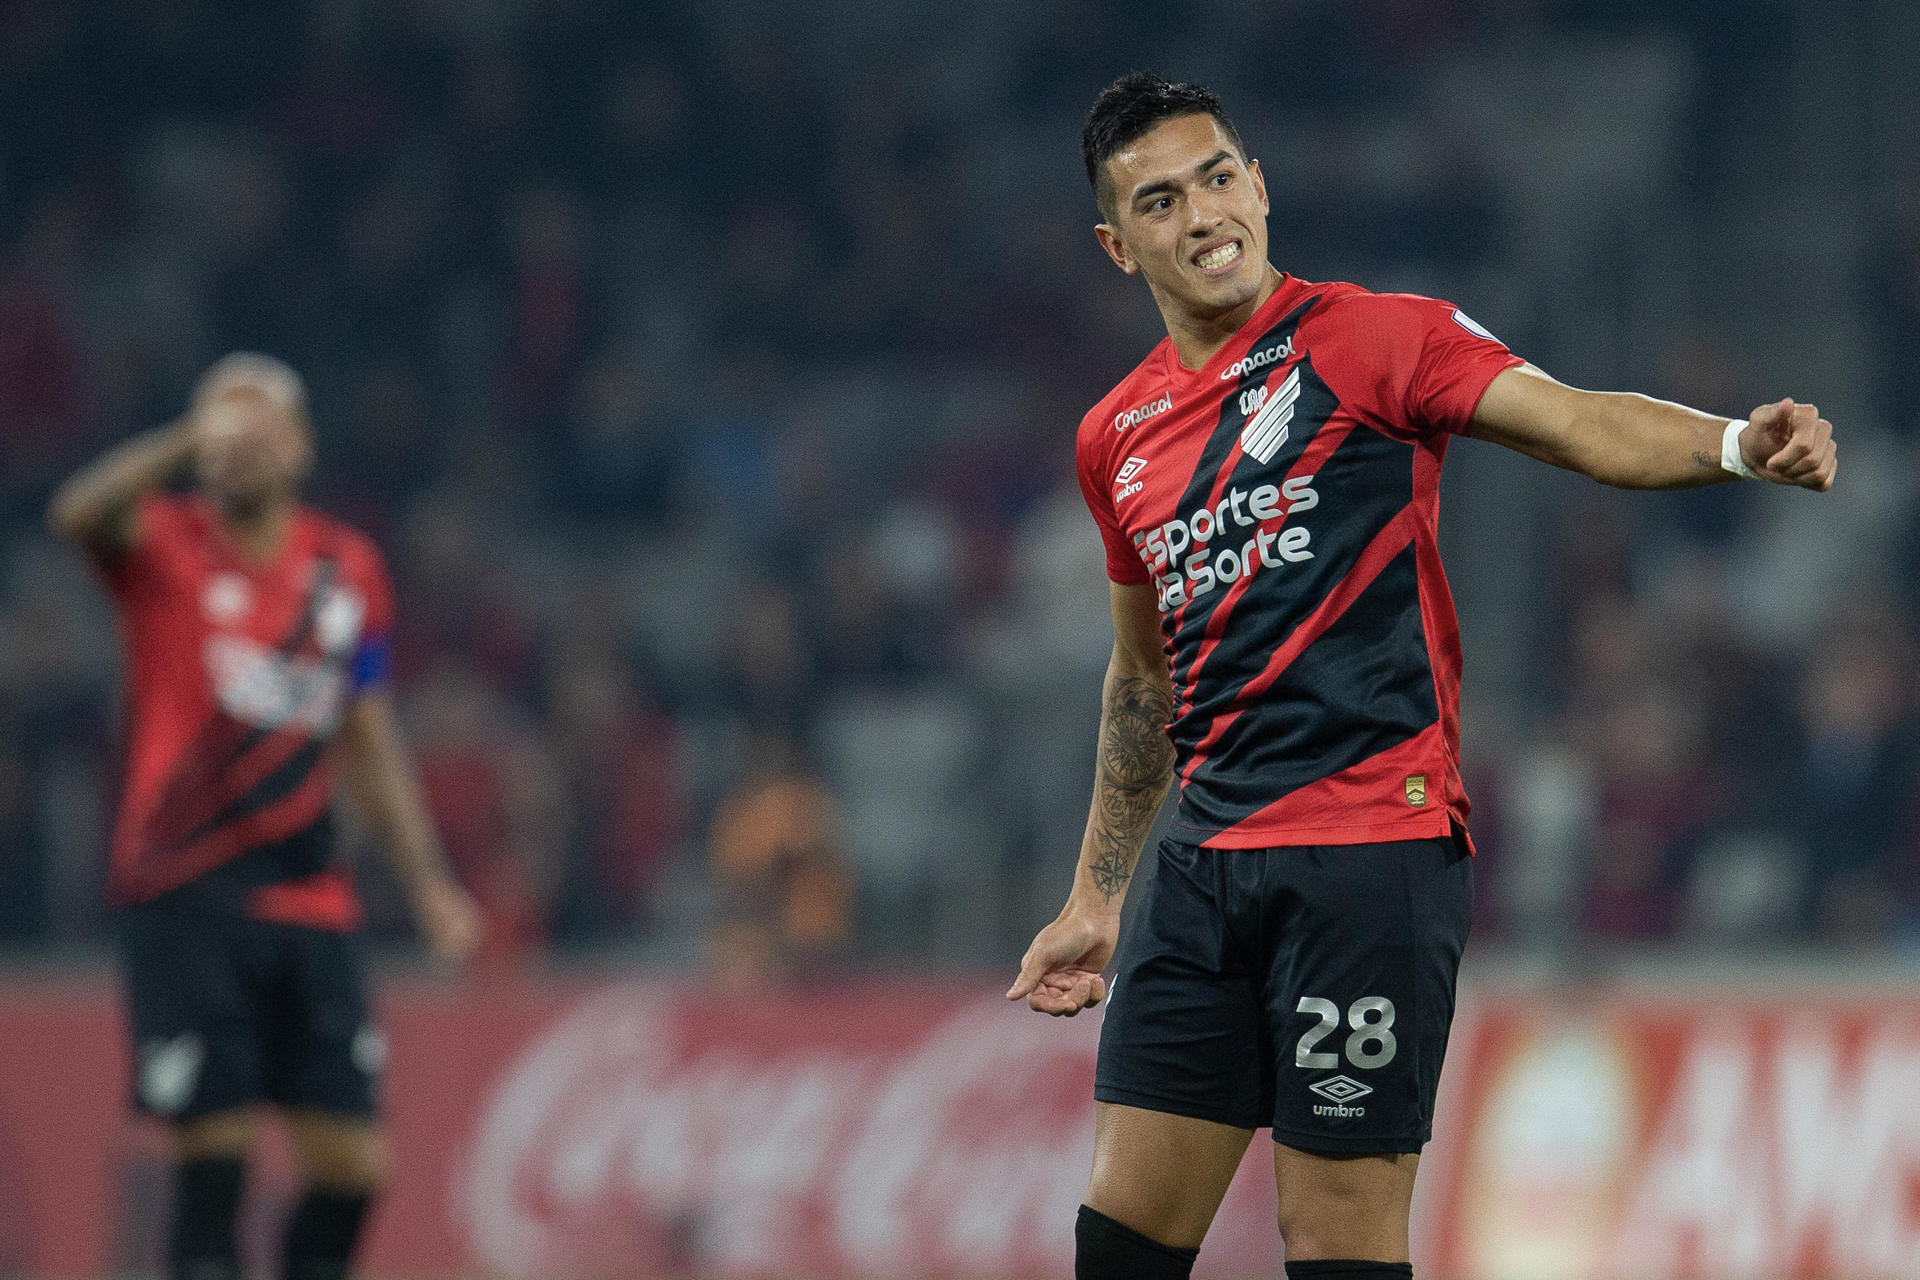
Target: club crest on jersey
227,598
1266,430
1416,789
1124,478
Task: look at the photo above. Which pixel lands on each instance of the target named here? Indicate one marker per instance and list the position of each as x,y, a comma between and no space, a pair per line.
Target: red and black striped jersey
1283,501
238,672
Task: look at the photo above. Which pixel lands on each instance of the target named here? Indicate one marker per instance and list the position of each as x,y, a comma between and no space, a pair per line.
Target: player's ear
1116,248
1259,185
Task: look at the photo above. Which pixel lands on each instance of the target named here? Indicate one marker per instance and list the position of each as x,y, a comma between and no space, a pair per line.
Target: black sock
206,1201
321,1235
1105,1250
1340,1269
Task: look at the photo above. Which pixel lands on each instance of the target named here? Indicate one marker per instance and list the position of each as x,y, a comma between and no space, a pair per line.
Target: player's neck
260,533
1198,338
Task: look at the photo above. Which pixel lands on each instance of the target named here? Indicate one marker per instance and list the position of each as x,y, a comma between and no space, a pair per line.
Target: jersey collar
1284,295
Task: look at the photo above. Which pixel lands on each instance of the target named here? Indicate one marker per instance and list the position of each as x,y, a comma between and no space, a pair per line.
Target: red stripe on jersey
1386,544
1442,627
1323,812
323,901
290,816
212,783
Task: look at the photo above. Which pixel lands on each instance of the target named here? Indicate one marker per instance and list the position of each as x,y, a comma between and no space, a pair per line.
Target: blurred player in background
1266,483
256,634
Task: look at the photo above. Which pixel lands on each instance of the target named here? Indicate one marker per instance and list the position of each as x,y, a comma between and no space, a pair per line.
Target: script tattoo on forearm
1136,764
1705,459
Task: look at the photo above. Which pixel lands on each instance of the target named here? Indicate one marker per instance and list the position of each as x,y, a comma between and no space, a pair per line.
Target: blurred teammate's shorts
1309,989
229,1011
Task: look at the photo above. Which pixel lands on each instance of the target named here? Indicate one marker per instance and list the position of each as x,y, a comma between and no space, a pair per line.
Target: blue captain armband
372,664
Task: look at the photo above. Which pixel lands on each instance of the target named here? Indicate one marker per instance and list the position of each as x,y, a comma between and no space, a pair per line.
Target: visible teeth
1220,257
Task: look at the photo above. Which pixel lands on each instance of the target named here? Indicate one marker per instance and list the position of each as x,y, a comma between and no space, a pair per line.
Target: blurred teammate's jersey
1284,503
238,673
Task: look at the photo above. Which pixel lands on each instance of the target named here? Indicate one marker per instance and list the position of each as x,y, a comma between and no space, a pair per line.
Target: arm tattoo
1136,764
1705,459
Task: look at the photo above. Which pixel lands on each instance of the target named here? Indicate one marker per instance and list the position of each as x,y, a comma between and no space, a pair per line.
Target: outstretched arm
378,776
1060,973
95,506
1635,442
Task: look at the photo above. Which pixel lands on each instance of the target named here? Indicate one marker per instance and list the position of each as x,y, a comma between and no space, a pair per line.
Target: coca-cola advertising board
576,1128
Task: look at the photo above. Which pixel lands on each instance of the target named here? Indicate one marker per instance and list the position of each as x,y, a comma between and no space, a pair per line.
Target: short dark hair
1131,106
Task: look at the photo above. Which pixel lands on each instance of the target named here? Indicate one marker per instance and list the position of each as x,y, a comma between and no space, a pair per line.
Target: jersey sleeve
1123,563
1429,363
371,669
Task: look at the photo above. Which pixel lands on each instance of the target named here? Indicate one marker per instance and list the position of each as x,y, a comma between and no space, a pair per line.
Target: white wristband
1730,459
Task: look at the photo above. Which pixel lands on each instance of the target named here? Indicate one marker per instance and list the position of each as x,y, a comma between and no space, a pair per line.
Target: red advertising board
1716,1135
573,1128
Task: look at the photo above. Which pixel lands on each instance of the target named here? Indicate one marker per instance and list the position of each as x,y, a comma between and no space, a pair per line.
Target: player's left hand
448,920
1060,974
1788,443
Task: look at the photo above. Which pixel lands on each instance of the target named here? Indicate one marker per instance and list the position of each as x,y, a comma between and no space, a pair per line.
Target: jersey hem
1438,823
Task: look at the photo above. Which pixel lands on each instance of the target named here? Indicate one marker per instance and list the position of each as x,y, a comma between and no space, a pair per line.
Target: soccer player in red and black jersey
1266,482
256,634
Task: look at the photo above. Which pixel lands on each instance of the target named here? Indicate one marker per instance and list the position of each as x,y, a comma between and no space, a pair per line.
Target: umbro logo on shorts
1341,1089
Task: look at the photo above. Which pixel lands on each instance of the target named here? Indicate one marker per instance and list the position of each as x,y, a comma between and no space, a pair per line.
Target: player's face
252,450
1191,216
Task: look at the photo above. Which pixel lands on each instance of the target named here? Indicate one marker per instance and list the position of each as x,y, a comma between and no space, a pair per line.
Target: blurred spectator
1857,793
784,890
24,914
619,756
1893,287
494,799
42,387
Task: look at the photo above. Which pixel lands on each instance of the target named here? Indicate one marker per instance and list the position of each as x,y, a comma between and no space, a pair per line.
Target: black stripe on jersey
1220,446
1359,689
1361,485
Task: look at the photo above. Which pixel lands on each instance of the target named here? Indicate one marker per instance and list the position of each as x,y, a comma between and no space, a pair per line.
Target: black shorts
229,1011
1309,989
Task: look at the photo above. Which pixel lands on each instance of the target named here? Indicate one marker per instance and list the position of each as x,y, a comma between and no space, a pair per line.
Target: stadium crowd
709,379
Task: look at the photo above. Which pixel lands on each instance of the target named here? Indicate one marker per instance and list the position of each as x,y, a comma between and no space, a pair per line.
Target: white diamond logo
1341,1089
